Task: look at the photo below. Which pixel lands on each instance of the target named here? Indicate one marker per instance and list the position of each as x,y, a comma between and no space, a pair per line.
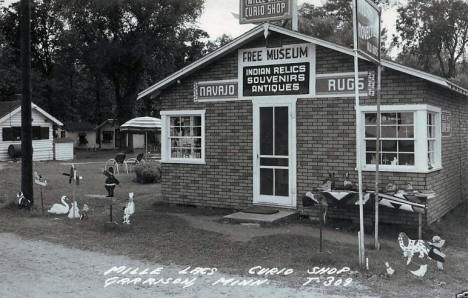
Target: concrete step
264,219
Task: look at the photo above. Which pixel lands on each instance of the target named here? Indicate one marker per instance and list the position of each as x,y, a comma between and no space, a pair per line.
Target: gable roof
9,108
260,29
112,122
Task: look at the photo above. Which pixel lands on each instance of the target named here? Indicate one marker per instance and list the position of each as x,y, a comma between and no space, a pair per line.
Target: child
110,182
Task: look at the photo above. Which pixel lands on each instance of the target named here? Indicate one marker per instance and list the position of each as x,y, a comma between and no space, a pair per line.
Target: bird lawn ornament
23,202
431,250
60,208
129,209
74,211
84,212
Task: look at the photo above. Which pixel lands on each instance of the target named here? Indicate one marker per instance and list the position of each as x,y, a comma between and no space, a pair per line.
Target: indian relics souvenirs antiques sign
259,11
284,71
342,84
225,90
368,29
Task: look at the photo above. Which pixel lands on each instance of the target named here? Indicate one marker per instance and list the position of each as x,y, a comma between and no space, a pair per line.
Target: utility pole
26,118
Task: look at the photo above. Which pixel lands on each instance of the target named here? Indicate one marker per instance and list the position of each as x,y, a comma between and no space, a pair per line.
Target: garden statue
58,208
84,212
23,202
432,250
129,209
110,182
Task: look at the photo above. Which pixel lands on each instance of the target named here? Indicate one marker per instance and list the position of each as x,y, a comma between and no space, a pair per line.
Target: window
13,134
107,137
409,138
183,136
40,133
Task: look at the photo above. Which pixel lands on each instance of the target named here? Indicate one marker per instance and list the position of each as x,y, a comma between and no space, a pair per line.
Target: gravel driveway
41,269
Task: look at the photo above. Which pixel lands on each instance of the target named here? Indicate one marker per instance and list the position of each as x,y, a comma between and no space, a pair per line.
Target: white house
42,130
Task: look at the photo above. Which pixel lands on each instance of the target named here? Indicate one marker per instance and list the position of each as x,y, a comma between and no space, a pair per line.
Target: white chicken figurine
129,209
74,211
60,208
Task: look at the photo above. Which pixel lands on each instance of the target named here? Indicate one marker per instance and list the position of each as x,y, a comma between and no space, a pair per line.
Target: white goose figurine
60,208
129,209
74,211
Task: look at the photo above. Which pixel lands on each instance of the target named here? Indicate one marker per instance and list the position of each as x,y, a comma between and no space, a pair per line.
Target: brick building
264,120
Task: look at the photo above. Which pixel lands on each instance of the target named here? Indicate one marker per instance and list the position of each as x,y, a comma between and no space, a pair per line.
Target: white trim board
259,31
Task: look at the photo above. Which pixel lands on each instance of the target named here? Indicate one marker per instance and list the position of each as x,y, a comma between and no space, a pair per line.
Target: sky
217,18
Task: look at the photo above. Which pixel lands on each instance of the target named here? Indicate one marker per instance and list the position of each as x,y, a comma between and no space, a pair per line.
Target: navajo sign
368,29
216,91
259,11
285,71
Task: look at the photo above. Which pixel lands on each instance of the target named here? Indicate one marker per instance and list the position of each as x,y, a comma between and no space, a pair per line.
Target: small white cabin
42,130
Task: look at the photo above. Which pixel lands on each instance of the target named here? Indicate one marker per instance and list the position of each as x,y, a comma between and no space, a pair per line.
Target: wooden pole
358,140
321,225
420,226
377,153
26,118
42,202
295,16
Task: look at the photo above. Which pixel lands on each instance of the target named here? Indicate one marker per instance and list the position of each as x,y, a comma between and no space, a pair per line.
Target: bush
148,173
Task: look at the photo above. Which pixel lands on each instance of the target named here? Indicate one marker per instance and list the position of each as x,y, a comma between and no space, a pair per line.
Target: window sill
401,170
184,161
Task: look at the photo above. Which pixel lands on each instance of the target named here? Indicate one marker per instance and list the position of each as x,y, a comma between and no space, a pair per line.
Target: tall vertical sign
366,25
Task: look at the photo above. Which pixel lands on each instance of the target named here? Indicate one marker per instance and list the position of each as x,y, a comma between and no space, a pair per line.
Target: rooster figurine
129,209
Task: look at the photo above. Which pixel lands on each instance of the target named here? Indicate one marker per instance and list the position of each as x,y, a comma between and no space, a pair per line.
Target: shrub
148,173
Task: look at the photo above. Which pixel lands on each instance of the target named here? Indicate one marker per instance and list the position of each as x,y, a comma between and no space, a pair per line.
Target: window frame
421,149
165,136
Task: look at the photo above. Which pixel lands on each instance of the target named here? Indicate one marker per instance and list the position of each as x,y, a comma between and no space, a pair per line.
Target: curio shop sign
259,11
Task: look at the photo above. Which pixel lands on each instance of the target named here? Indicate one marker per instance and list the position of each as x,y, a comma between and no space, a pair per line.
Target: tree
333,21
133,41
433,35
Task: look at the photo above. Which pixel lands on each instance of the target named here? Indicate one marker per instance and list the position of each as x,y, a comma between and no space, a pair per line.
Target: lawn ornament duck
23,202
58,208
129,209
74,211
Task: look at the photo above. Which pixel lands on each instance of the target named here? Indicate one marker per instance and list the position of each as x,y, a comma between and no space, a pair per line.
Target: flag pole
358,138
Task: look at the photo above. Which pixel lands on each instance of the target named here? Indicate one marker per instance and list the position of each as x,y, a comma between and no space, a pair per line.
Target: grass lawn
188,236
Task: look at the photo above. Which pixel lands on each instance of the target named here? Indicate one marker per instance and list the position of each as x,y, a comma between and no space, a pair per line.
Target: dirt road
41,269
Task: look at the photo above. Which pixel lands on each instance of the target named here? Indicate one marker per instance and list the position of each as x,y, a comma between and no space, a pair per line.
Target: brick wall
325,138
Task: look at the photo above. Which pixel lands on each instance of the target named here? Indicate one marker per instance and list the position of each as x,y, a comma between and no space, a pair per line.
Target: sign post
366,25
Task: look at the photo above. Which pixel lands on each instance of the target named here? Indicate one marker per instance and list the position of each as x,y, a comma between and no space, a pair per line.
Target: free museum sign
259,11
283,71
